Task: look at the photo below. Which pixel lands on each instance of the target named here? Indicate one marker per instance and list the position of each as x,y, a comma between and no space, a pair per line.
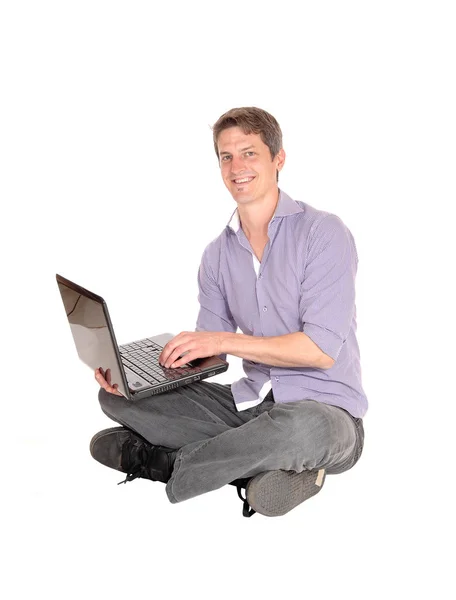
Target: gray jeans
218,444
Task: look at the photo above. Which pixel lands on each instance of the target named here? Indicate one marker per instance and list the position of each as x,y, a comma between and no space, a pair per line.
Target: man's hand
194,344
104,379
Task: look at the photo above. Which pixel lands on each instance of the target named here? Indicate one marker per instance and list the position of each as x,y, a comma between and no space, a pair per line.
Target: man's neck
255,217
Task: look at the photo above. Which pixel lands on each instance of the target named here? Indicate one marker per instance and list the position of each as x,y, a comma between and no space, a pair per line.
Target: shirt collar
285,206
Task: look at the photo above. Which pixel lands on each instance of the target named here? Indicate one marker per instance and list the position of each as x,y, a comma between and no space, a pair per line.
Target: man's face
247,169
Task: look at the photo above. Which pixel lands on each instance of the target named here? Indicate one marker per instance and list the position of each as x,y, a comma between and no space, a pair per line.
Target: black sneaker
124,450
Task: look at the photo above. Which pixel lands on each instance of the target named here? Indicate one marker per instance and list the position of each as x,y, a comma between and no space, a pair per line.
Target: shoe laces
241,484
135,460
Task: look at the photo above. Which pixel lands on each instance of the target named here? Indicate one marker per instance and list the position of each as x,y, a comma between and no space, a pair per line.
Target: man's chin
243,197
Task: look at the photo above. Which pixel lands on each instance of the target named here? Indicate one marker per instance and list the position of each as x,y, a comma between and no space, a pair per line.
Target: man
284,274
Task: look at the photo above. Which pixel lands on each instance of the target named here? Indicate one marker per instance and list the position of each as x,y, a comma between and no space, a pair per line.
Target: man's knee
301,419
322,433
109,402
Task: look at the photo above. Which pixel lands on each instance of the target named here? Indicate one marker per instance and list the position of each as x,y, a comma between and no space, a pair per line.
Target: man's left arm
289,350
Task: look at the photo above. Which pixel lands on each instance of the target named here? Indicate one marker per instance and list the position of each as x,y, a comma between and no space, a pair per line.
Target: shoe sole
274,493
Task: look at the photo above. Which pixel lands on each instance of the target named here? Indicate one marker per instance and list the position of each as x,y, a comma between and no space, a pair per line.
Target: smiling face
247,168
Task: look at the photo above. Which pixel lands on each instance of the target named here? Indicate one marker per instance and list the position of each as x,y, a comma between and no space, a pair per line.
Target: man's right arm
214,313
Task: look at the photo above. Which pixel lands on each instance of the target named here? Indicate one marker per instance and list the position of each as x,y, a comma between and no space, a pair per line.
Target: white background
109,177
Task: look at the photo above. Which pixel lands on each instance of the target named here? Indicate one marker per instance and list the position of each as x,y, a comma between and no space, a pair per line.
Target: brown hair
251,120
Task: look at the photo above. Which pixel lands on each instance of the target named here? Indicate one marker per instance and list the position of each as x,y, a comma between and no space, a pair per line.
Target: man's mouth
243,180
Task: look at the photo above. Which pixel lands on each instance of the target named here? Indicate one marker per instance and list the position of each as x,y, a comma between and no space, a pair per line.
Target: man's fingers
183,350
172,358
106,385
177,342
189,356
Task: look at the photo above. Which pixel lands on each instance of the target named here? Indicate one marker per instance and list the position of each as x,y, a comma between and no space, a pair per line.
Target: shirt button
276,378
260,276
265,308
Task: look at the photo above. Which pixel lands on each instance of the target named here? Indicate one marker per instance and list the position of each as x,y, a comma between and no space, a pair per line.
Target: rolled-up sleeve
214,313
327,302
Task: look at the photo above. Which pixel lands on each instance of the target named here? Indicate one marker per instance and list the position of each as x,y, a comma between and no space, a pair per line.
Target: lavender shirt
305,282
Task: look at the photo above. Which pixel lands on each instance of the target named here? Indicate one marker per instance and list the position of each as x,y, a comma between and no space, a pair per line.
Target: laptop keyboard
142,358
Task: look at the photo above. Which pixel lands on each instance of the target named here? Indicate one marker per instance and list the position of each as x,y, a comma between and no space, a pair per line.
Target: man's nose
237,165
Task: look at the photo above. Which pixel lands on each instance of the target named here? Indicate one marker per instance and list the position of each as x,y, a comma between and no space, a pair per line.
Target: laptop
134,366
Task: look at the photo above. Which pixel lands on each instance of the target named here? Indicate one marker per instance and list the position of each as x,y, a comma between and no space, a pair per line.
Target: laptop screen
91,334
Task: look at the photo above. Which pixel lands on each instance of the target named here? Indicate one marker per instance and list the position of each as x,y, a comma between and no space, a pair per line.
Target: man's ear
280,158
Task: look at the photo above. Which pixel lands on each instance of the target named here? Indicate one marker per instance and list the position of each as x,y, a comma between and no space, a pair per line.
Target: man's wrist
226,338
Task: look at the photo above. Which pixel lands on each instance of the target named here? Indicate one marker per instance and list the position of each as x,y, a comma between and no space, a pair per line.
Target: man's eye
249,153
225,158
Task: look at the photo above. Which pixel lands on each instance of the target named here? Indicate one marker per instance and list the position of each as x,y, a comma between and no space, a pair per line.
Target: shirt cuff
326,340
